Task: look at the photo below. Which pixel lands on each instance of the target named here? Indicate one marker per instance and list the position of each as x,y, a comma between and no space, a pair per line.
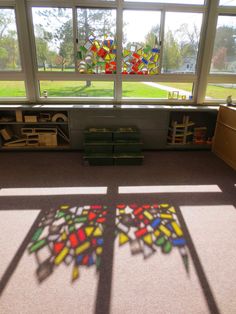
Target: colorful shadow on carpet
75,235
149,227
71,236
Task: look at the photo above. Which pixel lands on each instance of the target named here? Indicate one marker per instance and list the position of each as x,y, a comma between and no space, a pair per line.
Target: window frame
118,78
11,75
30,74
217,77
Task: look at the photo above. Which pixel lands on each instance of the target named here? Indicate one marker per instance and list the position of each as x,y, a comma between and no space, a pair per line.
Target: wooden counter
224,144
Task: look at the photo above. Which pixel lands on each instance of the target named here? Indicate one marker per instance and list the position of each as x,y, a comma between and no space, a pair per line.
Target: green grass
218,92
141,90
12,89
77,89
184,86
106,89
99,89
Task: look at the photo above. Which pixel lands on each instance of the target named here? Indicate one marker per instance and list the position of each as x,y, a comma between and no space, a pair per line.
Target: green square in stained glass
79,55
82,48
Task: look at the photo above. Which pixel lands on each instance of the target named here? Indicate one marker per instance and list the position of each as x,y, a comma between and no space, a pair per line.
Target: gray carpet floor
201,188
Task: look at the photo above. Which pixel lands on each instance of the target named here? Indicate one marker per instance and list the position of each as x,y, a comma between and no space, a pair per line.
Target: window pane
53,30
141,42
76,89
12,89
227,2
9,50
224,54
182,32
181,91
96,41
170,1
221,91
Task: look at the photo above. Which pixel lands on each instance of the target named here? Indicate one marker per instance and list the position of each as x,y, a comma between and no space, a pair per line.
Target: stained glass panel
96,42
141,44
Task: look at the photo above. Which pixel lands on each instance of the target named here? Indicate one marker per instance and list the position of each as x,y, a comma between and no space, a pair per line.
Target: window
228,2
12,89
224,54
69,89
12,83
9,50
220,91
157,90
150,51
141,50
170,1
181,41
96,51
53,31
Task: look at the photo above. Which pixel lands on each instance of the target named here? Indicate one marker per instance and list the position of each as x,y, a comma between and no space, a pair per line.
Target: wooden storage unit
191,129
179,133
152,121
30,128
224,144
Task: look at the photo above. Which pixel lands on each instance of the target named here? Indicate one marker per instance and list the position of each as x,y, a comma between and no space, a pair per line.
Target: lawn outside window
144,50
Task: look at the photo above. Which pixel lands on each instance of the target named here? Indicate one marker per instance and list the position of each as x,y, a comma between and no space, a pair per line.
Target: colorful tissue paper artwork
69,235
148,228
141,60
99,56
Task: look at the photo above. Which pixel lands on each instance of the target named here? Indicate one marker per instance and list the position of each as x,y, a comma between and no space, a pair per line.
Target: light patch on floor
213,230
158,284
53,191
14,226
169,189
57,294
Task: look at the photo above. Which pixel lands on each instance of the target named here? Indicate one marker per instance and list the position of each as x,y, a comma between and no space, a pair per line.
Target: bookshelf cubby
34,129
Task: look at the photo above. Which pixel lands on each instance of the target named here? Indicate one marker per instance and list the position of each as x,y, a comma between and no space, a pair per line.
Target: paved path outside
171,89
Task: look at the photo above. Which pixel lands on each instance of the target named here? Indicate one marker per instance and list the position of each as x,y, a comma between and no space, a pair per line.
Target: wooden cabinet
191,129
153,122
34,129
224,144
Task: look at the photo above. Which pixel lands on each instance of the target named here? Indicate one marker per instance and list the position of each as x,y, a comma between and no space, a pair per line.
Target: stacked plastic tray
107,146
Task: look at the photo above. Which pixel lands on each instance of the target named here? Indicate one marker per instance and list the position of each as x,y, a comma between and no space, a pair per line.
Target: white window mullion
12,76
26,47
222,78
207,42
7,3
119,36
161,39
75,36
226,10
163,6
199,60
63,76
